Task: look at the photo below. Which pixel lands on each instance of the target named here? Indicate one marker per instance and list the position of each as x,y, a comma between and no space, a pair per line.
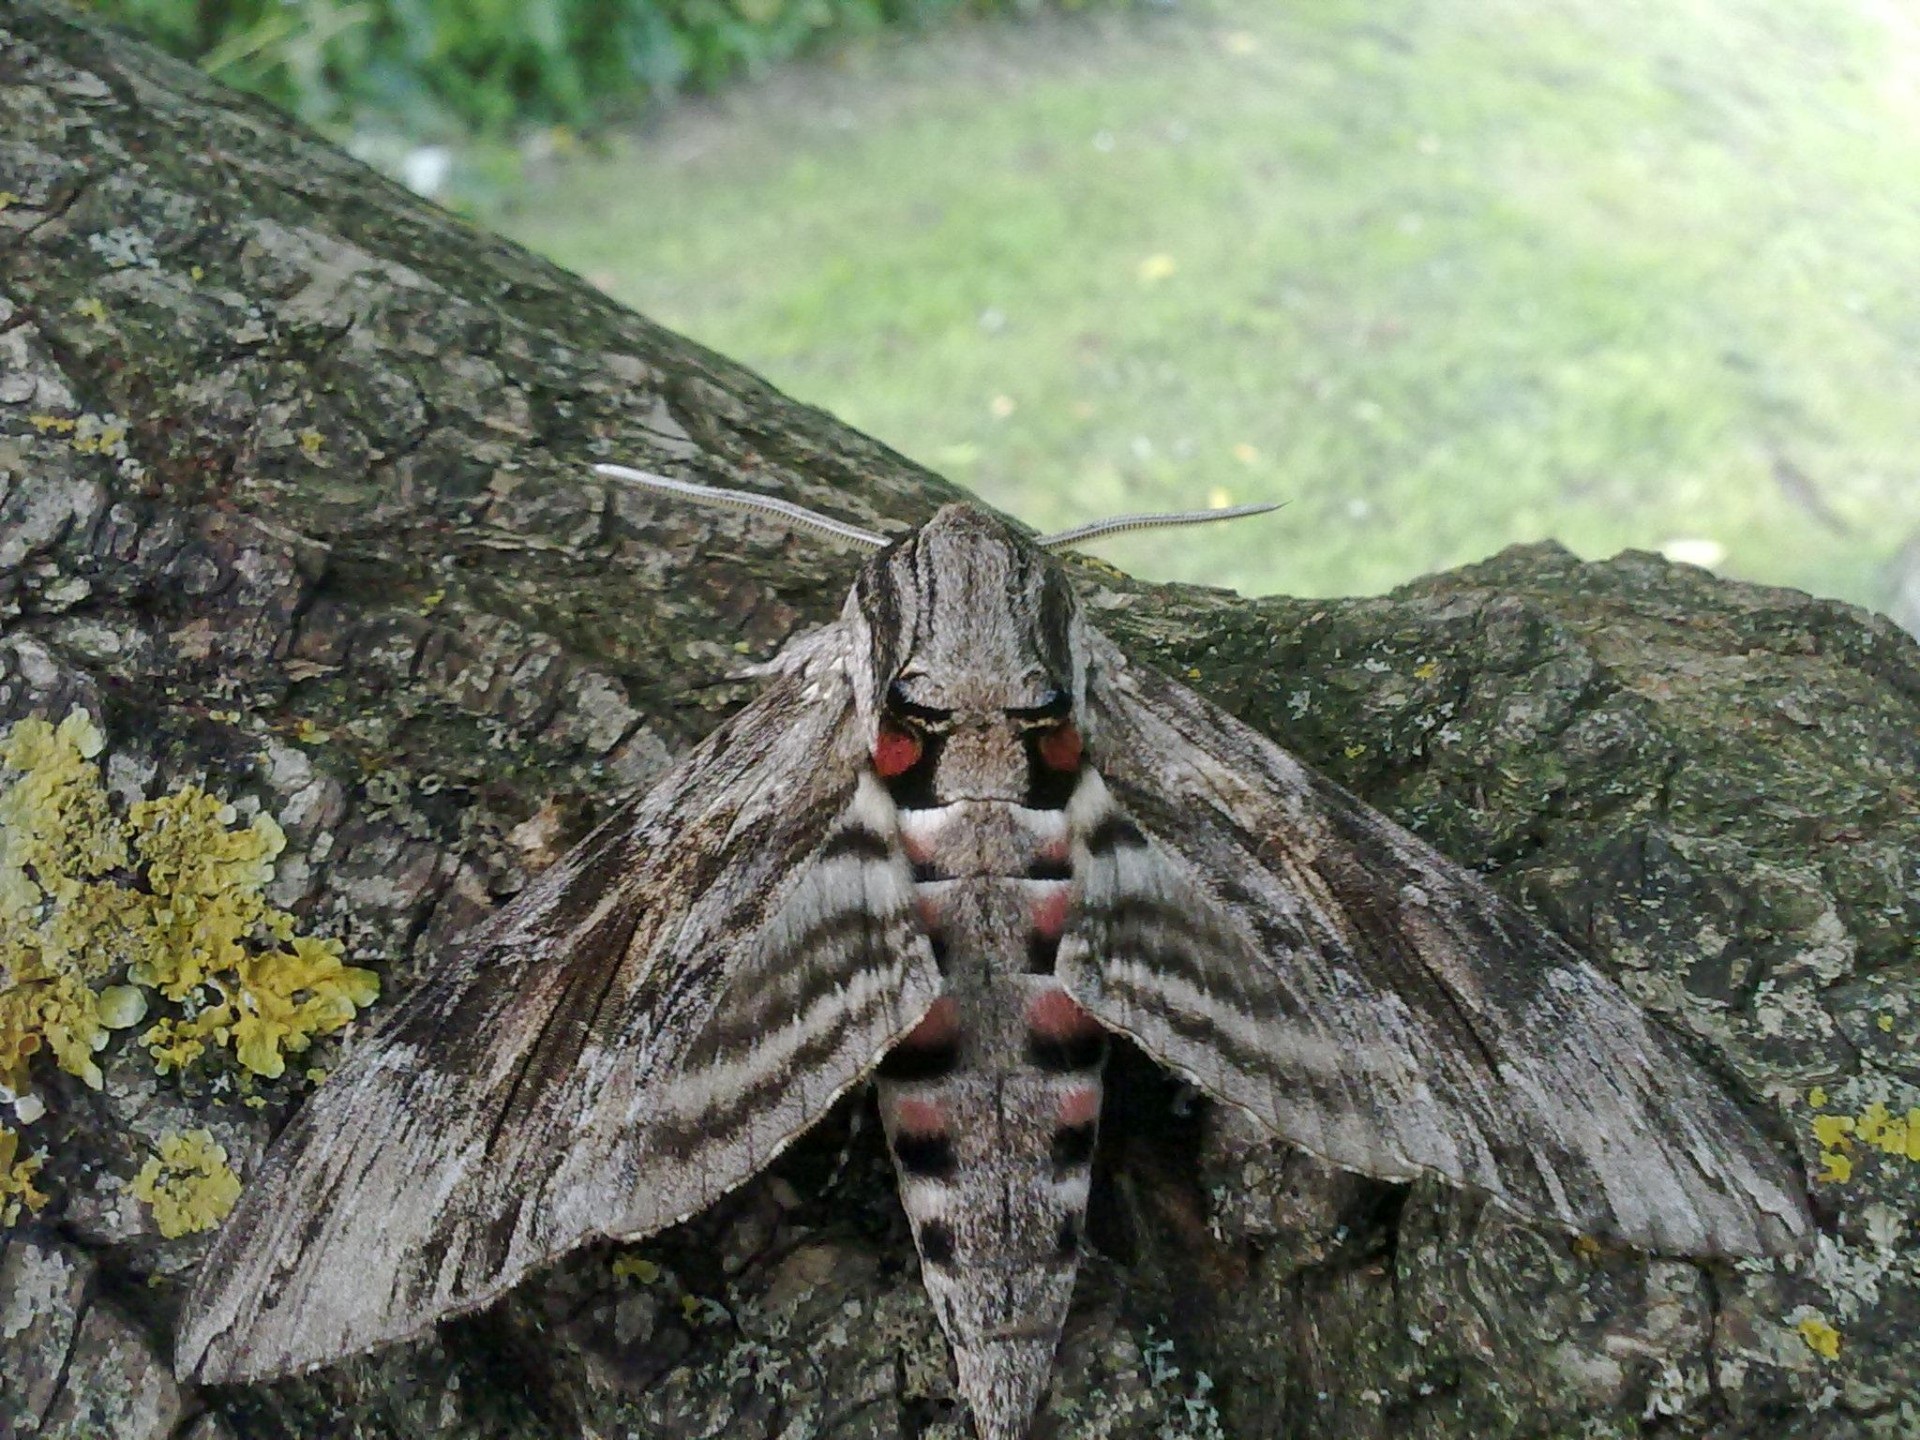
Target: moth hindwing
958,842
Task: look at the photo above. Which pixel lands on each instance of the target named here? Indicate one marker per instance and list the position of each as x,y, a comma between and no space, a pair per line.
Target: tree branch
294,503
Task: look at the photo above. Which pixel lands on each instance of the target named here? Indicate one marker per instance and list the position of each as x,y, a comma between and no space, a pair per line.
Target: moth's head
965,615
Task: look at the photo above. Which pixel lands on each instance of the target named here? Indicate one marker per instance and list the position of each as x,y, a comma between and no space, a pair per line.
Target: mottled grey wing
642,1030
1258,929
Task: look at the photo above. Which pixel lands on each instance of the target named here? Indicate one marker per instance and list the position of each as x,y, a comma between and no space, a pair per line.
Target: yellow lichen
1875,1127
58,839
174,894
55,815
1832,1130
1894,1134
211,876
104,441
188,1184
704,1310
273,1006
17,1194
122,1006
1821,1337
635,1267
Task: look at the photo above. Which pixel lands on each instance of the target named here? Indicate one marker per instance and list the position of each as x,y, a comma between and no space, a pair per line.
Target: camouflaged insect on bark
280,507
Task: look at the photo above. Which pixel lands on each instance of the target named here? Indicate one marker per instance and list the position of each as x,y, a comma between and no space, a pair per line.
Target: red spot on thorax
1080,1105
895,752
920,1117
1053,1014
1050,911
1060,748
940,1026
928,909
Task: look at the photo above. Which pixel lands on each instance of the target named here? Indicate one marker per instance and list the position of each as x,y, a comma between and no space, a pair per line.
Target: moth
958,842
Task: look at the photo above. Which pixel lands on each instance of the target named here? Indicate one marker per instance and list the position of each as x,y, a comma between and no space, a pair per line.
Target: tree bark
294,504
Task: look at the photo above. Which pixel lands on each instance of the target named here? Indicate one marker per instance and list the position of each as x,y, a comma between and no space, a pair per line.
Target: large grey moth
958,842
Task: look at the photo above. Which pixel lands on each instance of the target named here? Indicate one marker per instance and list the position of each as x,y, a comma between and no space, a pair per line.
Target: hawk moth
958,841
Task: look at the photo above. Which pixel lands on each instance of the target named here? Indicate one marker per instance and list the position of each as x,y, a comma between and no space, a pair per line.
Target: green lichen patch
188,1184
172,896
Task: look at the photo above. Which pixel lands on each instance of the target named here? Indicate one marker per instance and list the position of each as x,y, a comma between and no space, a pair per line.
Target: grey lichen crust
293,504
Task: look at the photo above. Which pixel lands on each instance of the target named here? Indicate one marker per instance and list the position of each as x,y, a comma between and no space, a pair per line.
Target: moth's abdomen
992,1105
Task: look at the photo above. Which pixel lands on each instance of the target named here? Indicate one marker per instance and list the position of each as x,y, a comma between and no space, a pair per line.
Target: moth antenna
1114,524
748,500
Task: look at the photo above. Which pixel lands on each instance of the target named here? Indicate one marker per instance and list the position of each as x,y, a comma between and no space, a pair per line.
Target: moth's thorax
983,760
965,614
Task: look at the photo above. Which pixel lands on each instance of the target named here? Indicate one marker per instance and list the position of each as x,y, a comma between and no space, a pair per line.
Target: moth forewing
1301,956
680,996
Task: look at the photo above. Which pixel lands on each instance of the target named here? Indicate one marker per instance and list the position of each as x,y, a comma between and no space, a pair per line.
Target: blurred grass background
1441,274
485,67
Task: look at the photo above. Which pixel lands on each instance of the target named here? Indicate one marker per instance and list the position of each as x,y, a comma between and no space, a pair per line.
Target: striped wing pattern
640,1031
1293,952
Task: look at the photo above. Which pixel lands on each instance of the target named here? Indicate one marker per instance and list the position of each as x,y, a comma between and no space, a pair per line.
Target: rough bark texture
293,503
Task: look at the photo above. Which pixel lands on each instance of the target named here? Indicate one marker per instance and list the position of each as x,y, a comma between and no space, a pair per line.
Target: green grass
1443,276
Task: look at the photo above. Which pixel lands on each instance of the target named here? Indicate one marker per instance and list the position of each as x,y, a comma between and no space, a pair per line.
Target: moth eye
907,715
895,752
1059,748
1056,708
